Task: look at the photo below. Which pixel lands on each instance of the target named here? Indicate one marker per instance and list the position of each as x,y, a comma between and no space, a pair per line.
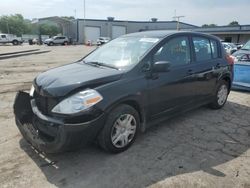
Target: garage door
92,33
118,31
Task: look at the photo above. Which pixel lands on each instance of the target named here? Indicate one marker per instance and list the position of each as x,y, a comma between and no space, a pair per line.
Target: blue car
242,68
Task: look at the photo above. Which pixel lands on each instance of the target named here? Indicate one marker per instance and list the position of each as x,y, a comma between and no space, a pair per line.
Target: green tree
233,23
47,29
68,17
209,25
14,24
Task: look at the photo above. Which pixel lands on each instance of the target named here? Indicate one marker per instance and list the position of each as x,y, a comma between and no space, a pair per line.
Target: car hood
241,52
61,81
47,40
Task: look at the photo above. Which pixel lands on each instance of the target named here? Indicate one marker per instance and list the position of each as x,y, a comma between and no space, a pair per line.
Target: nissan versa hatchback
123,87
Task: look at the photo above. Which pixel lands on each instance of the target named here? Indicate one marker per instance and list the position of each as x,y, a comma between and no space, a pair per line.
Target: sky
197,12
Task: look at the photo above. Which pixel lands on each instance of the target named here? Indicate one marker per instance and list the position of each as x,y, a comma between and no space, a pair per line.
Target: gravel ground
202,148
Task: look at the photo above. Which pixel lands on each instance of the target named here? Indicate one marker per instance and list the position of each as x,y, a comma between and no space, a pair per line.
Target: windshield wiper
96,63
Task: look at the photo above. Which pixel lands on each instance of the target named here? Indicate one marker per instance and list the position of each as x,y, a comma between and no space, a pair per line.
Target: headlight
78,102
32,89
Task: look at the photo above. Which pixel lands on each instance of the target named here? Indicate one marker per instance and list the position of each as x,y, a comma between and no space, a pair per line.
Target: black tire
65,43
215,103
51,44
104,138
15,42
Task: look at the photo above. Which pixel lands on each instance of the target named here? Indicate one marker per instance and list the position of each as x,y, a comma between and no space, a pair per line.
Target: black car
123,87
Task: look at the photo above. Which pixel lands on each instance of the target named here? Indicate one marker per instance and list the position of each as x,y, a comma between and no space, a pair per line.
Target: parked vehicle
57,40
102,40
229,47
123,87
9,38
239,45
242,68
243,54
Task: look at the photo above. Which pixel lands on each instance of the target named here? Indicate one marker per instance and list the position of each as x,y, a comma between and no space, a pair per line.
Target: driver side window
176,51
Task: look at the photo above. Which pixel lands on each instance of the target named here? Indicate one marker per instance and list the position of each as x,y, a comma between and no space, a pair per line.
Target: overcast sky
196,12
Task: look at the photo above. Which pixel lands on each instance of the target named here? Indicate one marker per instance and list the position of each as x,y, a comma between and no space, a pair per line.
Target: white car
102,40
229,47
57,40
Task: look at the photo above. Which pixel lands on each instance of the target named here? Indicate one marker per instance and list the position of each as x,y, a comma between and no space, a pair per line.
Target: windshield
246,46
122,52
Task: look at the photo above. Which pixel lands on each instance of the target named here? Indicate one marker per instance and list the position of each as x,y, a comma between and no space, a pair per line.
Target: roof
164,33
55,19
102,20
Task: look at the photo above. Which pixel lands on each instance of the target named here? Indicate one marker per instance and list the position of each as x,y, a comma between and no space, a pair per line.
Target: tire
51,44
221,95
15,42
112,137
65,43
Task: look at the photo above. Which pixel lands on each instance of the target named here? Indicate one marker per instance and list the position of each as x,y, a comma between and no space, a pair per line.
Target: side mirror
161,66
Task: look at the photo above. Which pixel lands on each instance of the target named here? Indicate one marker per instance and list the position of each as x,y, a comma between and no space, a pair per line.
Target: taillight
230,59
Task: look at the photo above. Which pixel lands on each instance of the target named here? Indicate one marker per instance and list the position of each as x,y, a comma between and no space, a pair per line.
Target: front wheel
120,129
221,95
15,42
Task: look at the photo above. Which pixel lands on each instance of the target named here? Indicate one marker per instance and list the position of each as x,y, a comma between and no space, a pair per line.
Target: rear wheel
221,95
120,130
65,43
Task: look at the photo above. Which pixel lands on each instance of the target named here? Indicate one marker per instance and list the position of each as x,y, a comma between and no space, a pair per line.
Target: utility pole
84,16
8,28
178,21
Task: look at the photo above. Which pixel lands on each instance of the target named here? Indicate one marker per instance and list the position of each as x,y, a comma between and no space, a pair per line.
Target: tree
233,23
68,17
47,29
14,24
209,25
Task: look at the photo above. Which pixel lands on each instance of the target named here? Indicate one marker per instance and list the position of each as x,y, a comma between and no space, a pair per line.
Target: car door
3,38
206,66
57,40
173,90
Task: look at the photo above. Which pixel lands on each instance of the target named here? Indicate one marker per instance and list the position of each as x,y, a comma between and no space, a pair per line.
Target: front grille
44,104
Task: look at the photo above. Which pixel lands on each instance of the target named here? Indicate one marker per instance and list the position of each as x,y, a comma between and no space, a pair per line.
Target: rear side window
214,48
176,51
202,49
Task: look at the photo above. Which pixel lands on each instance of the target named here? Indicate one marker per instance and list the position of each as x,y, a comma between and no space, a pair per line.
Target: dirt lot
203,148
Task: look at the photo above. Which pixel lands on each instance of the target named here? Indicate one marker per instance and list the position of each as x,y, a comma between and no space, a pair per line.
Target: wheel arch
134,103
228,79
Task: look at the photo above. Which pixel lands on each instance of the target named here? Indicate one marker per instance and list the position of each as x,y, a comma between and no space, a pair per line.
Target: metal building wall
131,26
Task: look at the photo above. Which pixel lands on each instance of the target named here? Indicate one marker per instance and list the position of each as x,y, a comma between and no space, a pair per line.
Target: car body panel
241,76
61,81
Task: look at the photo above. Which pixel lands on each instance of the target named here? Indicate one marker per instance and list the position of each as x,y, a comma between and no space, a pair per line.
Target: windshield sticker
153,40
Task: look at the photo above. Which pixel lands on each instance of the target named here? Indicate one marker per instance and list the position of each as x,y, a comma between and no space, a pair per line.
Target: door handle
190,72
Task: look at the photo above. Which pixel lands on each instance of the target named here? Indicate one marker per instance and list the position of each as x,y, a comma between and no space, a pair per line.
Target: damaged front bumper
48,134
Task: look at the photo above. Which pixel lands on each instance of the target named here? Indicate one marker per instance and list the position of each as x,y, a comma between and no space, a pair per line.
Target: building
235,34
83,30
